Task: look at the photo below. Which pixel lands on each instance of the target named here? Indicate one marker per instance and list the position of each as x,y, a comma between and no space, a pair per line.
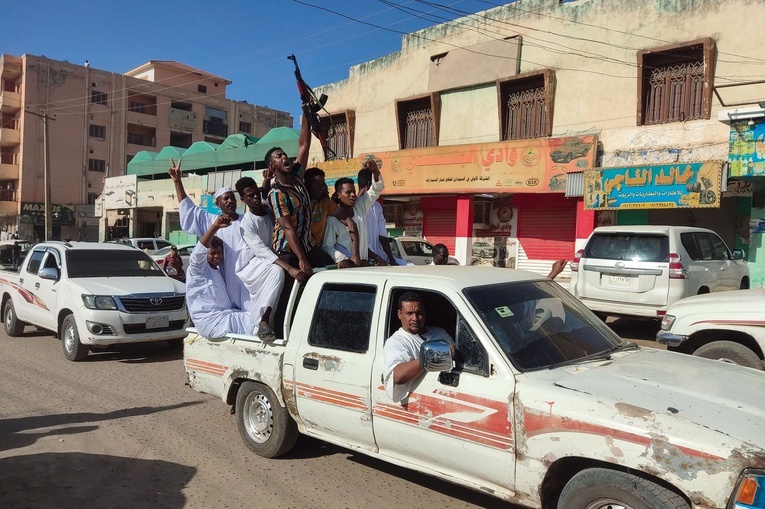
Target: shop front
32,222
679,194
497,204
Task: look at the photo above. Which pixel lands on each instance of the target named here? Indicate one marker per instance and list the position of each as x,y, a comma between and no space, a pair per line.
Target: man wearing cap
197,221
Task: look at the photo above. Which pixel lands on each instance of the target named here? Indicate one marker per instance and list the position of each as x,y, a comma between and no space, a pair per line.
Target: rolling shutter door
546,226
439,226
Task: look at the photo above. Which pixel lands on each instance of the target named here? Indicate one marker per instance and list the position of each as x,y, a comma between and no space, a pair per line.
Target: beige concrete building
98,121
639,76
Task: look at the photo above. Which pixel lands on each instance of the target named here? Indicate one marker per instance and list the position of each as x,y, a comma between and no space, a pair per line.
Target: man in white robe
208,302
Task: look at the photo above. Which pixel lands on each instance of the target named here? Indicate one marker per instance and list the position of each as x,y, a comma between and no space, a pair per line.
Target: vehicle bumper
118,327
669,339
625,309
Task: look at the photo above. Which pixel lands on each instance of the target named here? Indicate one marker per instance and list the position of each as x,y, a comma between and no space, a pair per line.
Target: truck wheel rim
258,417
607,503
69,338
8,318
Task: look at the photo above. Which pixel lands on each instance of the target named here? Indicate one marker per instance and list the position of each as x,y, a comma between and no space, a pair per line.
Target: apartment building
97,121
524,126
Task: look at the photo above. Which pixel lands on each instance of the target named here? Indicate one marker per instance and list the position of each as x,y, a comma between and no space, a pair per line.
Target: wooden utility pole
46,159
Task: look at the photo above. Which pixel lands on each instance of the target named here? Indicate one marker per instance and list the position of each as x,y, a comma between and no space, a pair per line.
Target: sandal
266,333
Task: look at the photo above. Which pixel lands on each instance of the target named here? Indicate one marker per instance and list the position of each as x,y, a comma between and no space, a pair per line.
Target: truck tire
265,426
732,352
601,488
13,326
70,340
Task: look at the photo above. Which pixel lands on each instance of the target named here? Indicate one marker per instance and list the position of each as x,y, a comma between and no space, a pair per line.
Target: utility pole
46,158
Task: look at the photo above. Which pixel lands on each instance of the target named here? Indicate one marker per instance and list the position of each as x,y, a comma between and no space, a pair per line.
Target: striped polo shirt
294,203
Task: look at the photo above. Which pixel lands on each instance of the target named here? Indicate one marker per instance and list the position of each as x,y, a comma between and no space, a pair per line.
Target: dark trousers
317,258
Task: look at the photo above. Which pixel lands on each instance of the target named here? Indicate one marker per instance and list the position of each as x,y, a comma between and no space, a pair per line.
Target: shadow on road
309,447
55,480
138,353
17,432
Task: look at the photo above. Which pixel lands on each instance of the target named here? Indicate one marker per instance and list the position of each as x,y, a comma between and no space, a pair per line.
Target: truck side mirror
48,273
436,355
738,254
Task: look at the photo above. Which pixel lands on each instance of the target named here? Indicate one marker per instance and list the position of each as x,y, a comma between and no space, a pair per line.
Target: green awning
238,141
237,149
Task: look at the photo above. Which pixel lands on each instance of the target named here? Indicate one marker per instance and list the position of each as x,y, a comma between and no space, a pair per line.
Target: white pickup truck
93,295
542,404
727,326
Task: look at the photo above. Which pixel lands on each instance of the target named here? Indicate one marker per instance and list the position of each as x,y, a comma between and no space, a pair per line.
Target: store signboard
681,185
120,192
34,213
517,166
747,149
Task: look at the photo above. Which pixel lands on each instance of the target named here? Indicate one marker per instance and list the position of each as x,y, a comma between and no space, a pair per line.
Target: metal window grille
675,93
419,127
338,139
525,116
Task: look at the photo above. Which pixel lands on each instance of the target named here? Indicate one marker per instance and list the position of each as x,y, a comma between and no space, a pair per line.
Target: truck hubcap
69,339
608,503
258,418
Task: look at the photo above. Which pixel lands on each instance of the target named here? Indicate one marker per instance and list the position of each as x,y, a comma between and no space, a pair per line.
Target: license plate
618,280
157,322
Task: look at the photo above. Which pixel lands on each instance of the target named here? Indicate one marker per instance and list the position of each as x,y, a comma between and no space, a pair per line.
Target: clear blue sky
246,42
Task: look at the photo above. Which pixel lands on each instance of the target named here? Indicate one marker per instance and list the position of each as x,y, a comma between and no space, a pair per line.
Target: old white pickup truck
93,295
542,404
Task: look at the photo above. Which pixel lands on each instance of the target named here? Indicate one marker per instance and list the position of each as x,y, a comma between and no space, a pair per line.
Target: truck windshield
116,263
539,325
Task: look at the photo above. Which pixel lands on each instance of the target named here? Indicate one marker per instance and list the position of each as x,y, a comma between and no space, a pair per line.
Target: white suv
642,270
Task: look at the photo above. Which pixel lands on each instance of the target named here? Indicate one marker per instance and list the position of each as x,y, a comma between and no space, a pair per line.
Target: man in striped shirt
291,204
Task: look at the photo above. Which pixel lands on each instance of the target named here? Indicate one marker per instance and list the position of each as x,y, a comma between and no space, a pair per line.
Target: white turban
222,191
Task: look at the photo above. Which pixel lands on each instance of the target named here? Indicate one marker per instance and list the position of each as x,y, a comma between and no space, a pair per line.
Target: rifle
311,106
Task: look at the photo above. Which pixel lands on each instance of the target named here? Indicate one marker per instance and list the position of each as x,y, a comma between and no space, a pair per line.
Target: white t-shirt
401,347
376,229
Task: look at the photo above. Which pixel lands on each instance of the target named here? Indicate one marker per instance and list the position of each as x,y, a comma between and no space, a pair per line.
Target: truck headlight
667,322
99,302
750,492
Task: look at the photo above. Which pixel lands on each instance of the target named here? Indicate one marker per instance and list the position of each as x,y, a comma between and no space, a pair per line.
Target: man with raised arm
209,306
197,221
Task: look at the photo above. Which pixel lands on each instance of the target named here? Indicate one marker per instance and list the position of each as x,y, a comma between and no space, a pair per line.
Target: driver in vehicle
401,352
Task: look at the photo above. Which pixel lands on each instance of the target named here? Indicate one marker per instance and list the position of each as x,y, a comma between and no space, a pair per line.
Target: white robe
255,265
337,241
197,221
209,306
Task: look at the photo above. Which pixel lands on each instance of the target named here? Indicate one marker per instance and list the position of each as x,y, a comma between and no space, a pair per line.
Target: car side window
51,261
143,244
162,243
719,248
342,319
689,243
705,246
35,259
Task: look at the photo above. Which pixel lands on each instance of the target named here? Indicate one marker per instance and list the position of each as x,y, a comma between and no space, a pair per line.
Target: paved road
122,430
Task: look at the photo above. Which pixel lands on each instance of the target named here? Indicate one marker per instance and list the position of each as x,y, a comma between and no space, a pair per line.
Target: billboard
516,166
747,149
680,185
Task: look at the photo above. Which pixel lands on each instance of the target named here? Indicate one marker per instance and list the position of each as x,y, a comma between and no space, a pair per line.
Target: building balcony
9,171
9,137
9,208
10,102
10,67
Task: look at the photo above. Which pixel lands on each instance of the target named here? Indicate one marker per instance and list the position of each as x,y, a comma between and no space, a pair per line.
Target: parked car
142,243
6,252
726,326
184,250
93,295
483,249
415,250
569,150
642,270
